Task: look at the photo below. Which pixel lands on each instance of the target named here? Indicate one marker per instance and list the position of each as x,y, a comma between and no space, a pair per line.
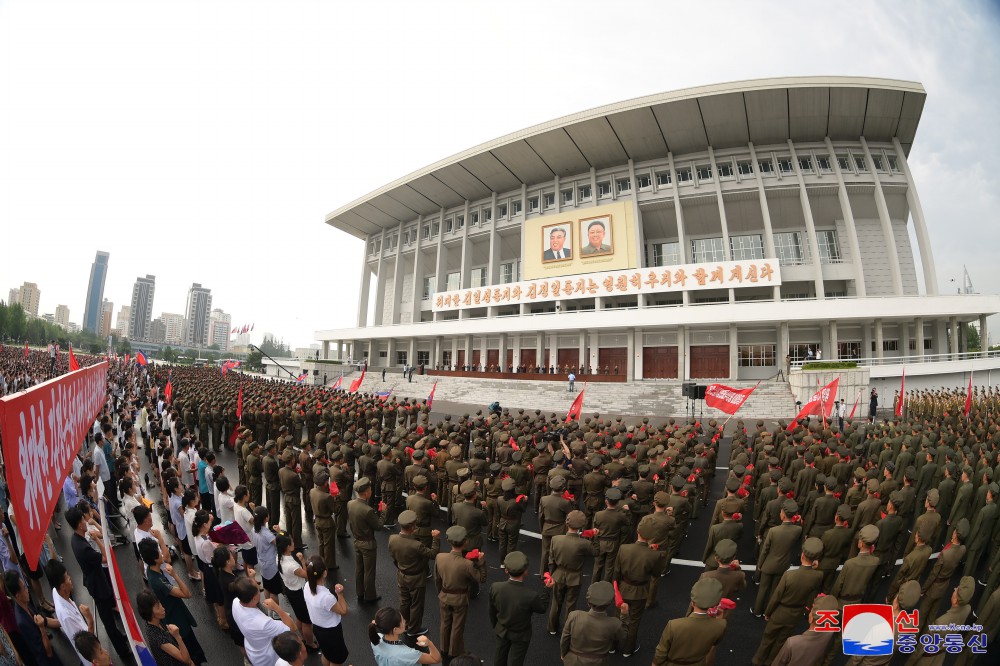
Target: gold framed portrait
596,237
557,242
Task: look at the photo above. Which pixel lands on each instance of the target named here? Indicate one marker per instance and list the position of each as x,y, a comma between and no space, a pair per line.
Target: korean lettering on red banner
42,430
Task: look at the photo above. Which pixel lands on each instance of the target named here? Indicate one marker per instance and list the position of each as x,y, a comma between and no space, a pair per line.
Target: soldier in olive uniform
411,558
936,585
326,529
595,482
612,526
636,565
809,648
291,498
390,480
731,528
775,553
914,564
567,553
494,488
983,527
306,470
890,532
455,577
794,593
272,484
660,523
692,639
836,546
254,474
510,507
589,636
469,514
727,570
511,607
424,507
341,476
552,512
957,614
365,521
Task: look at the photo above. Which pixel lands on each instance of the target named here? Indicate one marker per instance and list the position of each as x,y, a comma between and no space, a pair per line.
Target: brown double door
612,358
659,362
568,358
492,358
709,361
529,357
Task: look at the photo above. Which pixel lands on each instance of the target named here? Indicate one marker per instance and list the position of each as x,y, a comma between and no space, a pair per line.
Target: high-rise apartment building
14,296
199,305
104,321
62,316
158,331
28,298
218,329
141,315
95,292
122,321
173,328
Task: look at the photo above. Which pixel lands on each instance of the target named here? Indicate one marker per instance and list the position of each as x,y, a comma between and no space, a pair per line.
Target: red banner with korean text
820,404
42,430
726,398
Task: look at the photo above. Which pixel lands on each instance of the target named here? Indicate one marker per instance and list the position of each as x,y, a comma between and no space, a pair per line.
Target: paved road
740,642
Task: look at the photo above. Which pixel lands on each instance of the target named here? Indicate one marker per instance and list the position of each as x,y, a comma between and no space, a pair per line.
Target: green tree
972,341
254,360
273,347
169,354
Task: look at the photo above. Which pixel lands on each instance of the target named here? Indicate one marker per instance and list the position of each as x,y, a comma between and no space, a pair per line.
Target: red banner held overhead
356,384
726,398
820,404
42,430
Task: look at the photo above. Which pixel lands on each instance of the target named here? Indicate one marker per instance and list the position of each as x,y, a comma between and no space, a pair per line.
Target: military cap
419,481
933,497
775,475
844,512
286,456
322,479
859,473
868,535
962,528
516,456
456,534
966,589
602,593
595,461
407,518
661,498
576,519
908,595
739,470
463,472
613,494
557,483
831,483
813,548
516,563
790,507
506,484
706,593
495,468
644,470
725,550
872,486
468,488
322,424
362,484
677,482
418,454
645,530
455,451
732,484
625,486
785,485
826,602
558,457
270,445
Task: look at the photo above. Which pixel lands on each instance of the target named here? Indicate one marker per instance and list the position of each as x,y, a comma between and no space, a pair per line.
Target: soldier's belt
685,662
418,572
598,655
553,522
364,541
447,590
635,583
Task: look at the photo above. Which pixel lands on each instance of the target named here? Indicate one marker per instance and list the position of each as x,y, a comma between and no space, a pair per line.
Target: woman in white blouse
293,575
326,610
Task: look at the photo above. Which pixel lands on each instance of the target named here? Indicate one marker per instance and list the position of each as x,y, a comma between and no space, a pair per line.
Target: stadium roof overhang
763,111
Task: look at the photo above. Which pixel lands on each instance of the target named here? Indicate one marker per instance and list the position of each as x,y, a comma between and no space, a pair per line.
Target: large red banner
820,404
726,398
42,430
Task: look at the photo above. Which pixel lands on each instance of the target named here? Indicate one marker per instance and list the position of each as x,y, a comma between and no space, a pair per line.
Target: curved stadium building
717,232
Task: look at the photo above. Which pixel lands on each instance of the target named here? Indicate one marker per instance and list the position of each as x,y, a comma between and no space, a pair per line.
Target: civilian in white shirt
290,649
326,610
258,629
72,618
244,517
225,503
184,464
144,529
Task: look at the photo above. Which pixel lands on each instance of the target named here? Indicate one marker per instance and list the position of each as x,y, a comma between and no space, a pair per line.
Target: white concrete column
464,278
919,225
848,213
734,353
440,263
984,337
679,213
866,341
390,353
418,274
553,350
765,213
834,350
492,264
502,354
918,333
397,277
953,324
810,225
454,352
722,214
540,358
903,327
683,357
516,349
411,352
467,348
583,349
630,365
380,279
783,344
484,352
878,339
366,282
595,346
637,369
883,215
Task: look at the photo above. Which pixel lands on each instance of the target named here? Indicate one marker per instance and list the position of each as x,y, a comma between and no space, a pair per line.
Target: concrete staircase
662,398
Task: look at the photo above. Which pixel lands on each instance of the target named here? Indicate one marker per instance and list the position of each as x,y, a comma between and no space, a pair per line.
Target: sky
206,141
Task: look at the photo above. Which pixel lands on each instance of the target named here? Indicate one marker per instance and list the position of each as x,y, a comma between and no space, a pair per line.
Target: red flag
239,404
430,398
126,358
725,398
618,596
576,408
338,383
169,391
513,444
73,365
820,404
140,358
855,407
968,397
902,395
26,352
356,384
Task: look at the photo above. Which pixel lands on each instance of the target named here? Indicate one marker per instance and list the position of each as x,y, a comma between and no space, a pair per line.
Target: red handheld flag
725,398
576,408
968,397
855,407
902,395
169,391
26,351
513,444
356,384
618,596
820,404
239,404
430,398
73,364
472,554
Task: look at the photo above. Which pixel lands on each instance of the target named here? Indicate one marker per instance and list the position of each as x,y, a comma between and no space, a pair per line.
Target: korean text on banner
42,430
726,398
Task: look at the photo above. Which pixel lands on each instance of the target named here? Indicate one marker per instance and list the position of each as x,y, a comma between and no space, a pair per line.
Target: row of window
478,278
788,245
753,356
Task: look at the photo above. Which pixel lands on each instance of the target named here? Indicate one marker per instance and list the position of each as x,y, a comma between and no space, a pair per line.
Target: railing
905,360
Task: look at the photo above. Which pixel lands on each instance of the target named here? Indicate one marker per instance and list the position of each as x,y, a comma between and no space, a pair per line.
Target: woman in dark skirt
293,576
204,551
224,564
326,610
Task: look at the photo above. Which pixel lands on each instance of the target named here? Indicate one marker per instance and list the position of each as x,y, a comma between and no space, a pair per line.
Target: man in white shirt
72,618
841,413
290,649
257,628
184,464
